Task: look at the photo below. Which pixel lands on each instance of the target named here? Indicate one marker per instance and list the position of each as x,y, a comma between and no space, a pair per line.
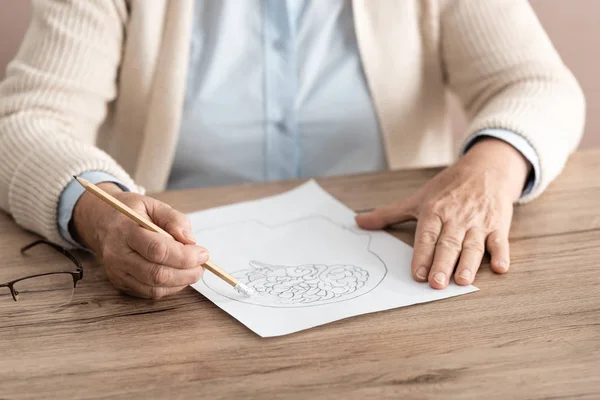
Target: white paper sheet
309,262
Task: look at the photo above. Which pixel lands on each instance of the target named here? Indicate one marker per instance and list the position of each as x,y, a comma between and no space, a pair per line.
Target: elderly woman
186,93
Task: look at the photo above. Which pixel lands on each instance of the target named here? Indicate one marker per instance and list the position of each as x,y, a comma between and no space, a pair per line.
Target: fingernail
204,256
502,264
440,278
422,273
465,274
188,235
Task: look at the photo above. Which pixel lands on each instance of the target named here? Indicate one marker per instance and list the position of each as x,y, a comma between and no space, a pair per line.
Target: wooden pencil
151,226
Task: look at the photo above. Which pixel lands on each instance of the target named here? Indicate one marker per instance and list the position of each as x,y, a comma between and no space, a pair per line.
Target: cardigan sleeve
52,102
501,64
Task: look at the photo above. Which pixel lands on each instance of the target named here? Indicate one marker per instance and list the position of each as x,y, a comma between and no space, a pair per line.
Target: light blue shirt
275,90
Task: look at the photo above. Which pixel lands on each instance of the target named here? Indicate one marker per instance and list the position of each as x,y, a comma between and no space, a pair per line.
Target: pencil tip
74,177
245,290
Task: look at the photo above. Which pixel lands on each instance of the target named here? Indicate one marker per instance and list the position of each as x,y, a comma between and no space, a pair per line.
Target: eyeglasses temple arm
58,248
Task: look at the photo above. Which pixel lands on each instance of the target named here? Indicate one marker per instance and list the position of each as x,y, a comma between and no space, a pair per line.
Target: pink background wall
572,25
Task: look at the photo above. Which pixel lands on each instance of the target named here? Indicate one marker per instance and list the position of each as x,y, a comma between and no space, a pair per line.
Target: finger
447,251
159,275
171,220
162,250
473,248
128,284
394,213
497,245
426,237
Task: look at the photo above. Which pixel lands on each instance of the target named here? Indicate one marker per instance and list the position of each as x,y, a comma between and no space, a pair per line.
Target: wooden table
531,334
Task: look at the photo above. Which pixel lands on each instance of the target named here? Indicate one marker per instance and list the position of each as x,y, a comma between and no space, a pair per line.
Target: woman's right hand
137,261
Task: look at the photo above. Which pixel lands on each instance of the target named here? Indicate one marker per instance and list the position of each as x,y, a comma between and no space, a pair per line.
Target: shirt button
281,127
279,45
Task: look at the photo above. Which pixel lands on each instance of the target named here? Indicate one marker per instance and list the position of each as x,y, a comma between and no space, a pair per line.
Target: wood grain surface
531,334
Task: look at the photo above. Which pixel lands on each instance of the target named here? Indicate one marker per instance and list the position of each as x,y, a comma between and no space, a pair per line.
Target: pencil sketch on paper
305,284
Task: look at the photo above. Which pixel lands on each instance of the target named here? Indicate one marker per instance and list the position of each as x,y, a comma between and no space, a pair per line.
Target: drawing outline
305,285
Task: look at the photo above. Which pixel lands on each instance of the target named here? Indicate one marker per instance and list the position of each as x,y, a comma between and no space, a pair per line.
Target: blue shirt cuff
71,194
519,143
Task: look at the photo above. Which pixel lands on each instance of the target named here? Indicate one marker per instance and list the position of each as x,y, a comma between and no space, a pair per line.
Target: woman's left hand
461,212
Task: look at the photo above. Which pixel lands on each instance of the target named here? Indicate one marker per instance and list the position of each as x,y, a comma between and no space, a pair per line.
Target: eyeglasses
51,289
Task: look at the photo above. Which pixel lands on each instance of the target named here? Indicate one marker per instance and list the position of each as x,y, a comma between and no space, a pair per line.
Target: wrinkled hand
137,261
461,212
